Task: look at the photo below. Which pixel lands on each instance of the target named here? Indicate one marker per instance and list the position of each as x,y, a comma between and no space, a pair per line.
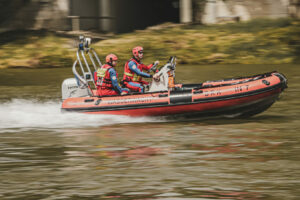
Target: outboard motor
71,88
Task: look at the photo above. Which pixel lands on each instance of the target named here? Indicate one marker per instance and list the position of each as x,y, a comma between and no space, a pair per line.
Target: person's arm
114,80
146,68
135,69
151,67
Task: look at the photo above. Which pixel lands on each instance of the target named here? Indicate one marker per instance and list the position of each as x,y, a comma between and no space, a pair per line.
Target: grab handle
83,81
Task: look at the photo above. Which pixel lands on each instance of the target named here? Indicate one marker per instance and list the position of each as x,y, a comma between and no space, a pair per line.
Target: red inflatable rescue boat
235,97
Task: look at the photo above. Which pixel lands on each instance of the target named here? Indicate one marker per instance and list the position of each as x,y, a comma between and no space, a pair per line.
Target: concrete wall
294,8
53,14
35,14
220,10
127,15
96,15
262,8
138,14
87,10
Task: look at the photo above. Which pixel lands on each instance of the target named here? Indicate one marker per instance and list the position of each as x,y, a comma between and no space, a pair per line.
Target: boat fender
163,95
207,86
266,82
197,88
181,96
88,100
198,92
98,102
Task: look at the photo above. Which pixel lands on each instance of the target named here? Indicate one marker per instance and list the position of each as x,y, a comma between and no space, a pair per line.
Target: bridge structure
127,15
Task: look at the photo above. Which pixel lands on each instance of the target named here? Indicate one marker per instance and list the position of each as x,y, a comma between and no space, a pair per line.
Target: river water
45,154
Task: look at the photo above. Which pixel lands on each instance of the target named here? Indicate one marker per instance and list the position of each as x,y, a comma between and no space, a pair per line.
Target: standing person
107,78
133,71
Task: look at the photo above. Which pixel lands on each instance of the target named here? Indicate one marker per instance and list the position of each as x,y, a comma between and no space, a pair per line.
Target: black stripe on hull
181,96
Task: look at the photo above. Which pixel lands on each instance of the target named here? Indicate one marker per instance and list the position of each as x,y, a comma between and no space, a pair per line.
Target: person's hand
156,77
146,87
124,92
156,62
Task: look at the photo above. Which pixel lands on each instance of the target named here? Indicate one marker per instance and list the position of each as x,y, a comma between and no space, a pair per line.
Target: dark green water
48,155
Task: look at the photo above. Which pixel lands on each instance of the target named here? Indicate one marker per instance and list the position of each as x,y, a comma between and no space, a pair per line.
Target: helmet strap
135,58
110,62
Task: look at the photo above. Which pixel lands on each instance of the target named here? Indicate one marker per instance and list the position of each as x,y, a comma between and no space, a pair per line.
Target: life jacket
129,75
103,77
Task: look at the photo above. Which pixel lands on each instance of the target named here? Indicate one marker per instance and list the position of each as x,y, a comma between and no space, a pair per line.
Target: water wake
27,114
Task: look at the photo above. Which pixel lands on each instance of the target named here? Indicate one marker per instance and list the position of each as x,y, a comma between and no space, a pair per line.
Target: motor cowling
71,88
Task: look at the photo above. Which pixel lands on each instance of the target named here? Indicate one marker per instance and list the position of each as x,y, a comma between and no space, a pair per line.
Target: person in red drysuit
133,71
107,78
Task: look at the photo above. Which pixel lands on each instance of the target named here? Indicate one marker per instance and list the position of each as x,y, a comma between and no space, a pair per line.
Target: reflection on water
48,155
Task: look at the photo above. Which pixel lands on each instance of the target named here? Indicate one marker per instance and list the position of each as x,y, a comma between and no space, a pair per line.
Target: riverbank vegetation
260,41
35,49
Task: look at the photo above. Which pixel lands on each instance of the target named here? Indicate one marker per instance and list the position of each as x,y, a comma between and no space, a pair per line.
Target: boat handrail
79,61
97,58
83,49
85,61
77,75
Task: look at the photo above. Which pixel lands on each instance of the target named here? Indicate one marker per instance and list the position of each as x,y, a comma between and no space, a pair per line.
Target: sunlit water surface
45,154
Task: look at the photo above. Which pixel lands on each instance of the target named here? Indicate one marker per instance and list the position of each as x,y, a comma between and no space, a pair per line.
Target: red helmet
136,50
111,57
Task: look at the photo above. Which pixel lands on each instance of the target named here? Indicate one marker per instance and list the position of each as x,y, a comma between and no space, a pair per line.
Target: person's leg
144,82
135,86
107,92
125,90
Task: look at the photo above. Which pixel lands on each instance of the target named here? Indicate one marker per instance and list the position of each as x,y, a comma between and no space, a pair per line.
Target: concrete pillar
63,5
75,23
105,15
185,11
210,12
222,10
294,9
242,12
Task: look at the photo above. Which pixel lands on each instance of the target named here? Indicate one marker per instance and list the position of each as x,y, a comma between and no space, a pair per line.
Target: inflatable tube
243,96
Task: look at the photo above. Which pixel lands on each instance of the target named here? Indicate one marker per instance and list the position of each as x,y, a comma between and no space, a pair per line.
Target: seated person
107,78
133,71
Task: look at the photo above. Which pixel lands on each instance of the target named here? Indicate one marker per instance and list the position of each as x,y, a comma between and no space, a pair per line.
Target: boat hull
231,98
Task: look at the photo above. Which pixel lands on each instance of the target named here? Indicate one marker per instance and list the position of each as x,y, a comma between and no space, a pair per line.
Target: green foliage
253,26
35,49
260,41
